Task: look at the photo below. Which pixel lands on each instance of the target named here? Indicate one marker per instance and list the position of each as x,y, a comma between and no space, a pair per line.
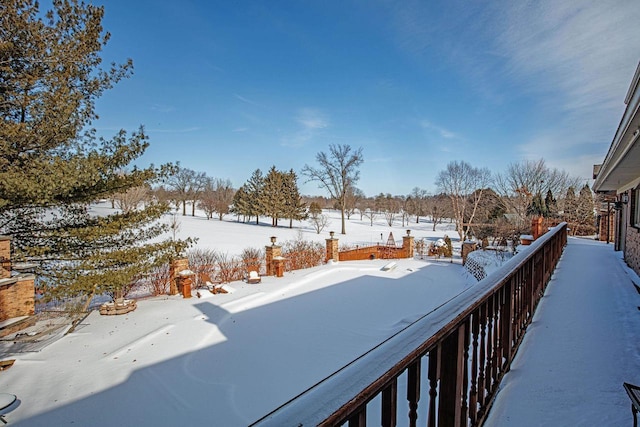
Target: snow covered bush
300,253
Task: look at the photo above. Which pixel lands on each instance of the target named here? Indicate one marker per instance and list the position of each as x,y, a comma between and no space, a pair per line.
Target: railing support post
451,379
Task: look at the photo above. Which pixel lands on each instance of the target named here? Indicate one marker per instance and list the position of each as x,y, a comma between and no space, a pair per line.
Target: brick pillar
407,244
5,257
270,253
467,248
177,265
536,227
17,297
332,249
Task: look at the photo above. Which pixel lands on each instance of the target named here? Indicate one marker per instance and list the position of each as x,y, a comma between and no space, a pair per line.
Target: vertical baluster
359,419
504,332
473,390
390,404
464,413
483,354
413,391
433,385
486,353
495,353
490,349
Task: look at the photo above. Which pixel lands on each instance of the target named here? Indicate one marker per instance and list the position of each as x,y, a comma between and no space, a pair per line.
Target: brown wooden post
451,379
507,321
390,404
359,419
434,367
413,391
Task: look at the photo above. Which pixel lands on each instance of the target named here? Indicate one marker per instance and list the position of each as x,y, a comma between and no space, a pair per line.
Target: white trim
628,186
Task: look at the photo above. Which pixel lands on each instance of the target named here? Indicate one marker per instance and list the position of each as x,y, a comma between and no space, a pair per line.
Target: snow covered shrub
203,263
448,247
229,268
158,280
300,253
252,260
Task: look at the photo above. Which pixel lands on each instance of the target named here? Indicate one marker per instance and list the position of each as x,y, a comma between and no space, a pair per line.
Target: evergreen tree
570,209
52,165
295,208
274,195
254,190
240,203
551,205
585,215
537,206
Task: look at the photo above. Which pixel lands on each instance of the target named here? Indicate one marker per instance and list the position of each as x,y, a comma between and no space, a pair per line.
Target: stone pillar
5,257
17,297
467,248
272,252
177,265
332,249
407,244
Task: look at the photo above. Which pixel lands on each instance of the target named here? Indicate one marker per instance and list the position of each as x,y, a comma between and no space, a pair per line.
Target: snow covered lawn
226,359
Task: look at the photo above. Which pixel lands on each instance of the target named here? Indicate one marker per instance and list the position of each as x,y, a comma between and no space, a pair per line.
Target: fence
466,346
372,252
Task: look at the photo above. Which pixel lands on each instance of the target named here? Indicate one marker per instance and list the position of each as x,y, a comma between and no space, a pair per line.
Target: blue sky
226,87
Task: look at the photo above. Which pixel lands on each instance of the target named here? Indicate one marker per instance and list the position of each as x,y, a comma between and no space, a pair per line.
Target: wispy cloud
573,61
161,108
246,100
444,133
311,122
582,55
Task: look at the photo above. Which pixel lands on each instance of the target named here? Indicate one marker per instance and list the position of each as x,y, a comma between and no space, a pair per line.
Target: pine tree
570,211
585,215
551,205
52,164
254,191
537,206
295,208
240,204
274,195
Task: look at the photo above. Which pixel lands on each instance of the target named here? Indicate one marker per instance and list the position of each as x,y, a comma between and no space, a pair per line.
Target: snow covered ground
229,359
579,349
226,360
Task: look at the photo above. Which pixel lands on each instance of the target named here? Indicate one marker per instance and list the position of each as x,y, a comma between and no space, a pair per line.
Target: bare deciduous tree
216,198
464,185
523,180
338,172
131,199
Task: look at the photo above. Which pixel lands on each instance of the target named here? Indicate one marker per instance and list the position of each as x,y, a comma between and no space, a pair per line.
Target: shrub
301,254
203,263
252,259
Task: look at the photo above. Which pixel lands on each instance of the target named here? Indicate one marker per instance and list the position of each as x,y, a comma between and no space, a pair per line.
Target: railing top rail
387,360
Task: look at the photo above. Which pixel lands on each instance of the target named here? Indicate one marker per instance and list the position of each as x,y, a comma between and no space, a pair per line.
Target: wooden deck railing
453,357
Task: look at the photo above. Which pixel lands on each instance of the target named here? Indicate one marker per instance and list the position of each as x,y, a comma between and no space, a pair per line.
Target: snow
579,349
229,359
